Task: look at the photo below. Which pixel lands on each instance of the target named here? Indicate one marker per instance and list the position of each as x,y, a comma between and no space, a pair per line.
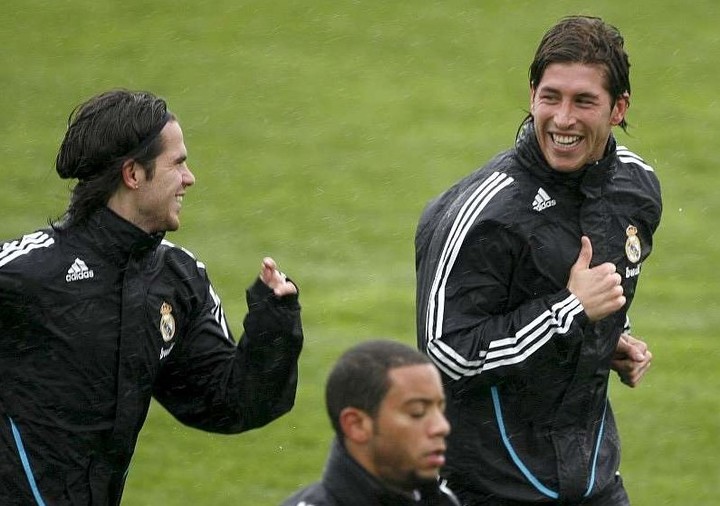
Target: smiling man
386,404
526,270
98,314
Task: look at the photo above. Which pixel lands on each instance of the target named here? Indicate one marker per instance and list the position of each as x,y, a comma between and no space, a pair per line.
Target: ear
620,109
356,425
130,171
532,96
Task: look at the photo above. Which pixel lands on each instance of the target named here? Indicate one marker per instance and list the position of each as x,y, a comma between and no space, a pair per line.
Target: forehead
172,140
414,382
575,78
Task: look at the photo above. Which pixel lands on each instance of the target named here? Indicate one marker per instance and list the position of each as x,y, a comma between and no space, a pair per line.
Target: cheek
603,129
402,434
541,117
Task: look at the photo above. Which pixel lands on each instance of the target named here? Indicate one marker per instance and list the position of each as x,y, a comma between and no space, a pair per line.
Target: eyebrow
583,94
422,400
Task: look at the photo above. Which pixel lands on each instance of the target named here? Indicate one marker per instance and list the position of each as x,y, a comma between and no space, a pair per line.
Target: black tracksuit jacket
346,483
95,320
525,371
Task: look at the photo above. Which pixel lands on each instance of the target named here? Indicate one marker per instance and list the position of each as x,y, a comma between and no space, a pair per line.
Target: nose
439,425
188,178
565,115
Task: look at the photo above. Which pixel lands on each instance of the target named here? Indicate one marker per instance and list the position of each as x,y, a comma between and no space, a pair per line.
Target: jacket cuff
259,292
569,300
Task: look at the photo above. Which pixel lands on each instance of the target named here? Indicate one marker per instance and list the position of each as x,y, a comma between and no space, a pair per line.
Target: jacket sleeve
482,320
212,384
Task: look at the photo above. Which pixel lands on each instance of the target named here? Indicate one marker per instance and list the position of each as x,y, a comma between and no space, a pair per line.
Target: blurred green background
317,131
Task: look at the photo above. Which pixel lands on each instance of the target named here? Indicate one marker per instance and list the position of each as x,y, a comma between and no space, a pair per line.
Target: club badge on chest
167,322
633,250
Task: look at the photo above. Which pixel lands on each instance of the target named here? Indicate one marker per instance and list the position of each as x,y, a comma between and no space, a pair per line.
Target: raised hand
276,280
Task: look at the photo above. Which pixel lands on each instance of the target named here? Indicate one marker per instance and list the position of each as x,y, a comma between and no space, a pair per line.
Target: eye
417,411
585,101
548,97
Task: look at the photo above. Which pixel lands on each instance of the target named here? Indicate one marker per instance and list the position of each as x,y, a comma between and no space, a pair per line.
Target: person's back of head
103,133
585,40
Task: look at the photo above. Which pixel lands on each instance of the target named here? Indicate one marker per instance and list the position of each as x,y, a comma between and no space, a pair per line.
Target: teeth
179,198
565,140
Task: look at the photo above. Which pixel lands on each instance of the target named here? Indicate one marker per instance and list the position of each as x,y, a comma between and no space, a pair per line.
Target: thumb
585,255
269,263
267,270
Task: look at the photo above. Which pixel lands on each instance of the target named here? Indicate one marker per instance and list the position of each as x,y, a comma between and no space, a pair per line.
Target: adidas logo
542,200
78,270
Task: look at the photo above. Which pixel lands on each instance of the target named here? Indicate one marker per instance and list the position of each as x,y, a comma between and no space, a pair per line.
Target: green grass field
317,131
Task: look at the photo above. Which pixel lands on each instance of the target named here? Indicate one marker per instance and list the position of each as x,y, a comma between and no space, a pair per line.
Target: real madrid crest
167,322
633,250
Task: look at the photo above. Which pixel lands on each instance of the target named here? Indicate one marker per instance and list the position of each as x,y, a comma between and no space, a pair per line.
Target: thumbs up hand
598,288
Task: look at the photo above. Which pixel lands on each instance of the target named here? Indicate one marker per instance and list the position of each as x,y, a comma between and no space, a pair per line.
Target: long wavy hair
103,133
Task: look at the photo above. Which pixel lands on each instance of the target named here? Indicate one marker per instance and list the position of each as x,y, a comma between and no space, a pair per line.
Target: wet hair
586,40
360,377
103,133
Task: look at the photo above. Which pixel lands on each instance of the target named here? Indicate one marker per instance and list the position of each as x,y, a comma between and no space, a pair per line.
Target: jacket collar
591,175
117,238
350,483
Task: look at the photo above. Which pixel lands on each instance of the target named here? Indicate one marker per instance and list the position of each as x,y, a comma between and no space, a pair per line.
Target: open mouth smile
565,140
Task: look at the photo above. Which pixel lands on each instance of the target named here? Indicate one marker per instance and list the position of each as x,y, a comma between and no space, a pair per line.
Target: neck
364,457
123,204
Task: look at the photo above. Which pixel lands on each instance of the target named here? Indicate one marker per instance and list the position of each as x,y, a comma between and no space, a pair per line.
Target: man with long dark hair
99,313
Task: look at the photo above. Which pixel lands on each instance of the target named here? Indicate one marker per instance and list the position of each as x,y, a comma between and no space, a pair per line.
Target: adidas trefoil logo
542,200
78,270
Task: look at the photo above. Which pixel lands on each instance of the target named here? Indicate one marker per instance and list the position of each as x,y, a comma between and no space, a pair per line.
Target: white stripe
627,326
442,355
463,221
30,242
218,312
462,224
627,156
538,340
200,264
35,237
541,322
455,251
556,320
438,361
628,159
217,309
